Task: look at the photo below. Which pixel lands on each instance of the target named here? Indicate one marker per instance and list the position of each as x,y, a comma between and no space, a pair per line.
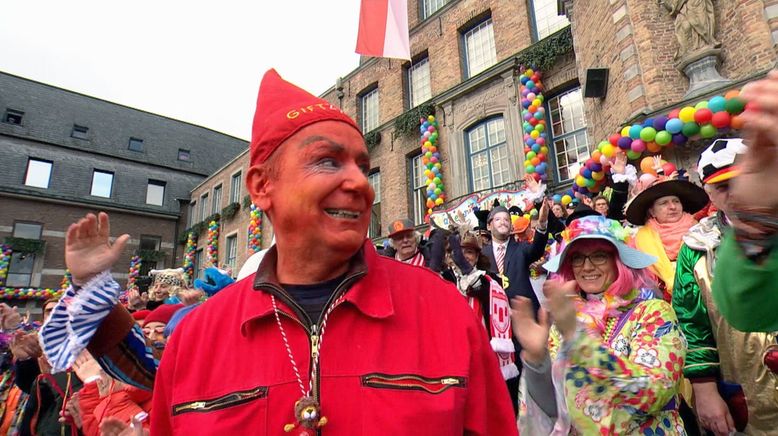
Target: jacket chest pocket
413,401
232,412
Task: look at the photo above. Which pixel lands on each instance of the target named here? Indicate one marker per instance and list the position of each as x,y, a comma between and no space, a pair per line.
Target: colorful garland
29,293
705,120
135,264
255,229
5,260
67,279
430,158
534,115
213,243
189,255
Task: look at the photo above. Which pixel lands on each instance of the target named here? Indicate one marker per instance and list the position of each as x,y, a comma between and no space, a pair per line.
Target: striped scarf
415,260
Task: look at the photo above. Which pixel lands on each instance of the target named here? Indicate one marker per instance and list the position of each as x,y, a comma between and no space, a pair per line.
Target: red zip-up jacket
401,354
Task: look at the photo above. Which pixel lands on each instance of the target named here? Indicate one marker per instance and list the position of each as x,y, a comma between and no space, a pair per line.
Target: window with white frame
488,155
38,173
370,114
150,243
217,199
547,18
22,265
375,212
192,213
429,7
480,50
204,209
418,189
419,86
155,192
235,186
102,183
232,251
568,133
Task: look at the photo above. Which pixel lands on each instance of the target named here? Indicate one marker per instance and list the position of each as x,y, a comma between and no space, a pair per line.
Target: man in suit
511,259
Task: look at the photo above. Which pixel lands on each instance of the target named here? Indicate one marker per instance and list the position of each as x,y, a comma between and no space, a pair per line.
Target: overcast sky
197,61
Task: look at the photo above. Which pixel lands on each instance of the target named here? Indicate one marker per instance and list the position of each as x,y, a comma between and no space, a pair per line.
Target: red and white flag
383,29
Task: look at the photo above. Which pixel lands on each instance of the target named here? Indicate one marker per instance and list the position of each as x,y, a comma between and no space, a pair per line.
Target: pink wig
627,278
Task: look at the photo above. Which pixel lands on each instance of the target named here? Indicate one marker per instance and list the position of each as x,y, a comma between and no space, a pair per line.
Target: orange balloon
732,93
535,161
653,147
647,165
532,109
736,122
596,155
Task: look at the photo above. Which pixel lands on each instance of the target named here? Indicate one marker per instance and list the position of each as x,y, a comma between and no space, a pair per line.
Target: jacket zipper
312,329
231,399
432,385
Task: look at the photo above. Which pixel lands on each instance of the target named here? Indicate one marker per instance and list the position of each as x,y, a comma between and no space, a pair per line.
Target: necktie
500,258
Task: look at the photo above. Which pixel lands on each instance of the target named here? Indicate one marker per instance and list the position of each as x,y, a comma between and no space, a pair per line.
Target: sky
196,61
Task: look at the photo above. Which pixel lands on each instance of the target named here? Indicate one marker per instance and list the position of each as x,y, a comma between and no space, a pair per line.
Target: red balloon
703,116
668,168
614,139
720,119
674,113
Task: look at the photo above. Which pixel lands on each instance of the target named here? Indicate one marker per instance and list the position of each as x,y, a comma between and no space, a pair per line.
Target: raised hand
531,183
191,296
619,164
755,188
532,335
88,250
86,366
560,296
25,346
9,317
658,163
543,214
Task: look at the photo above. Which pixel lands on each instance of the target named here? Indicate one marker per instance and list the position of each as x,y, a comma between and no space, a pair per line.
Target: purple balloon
624,143
679,139
527,116
596,167
659,123
525,92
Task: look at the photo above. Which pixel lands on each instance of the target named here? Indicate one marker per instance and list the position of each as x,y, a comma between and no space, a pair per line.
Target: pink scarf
672,234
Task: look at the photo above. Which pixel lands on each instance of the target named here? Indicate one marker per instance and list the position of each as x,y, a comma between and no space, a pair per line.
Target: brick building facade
66,154
465,56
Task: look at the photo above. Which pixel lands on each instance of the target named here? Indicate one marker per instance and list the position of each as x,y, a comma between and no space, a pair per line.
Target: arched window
487,155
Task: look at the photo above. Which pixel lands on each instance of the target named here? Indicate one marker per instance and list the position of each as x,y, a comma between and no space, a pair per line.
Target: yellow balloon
598,175
608,150
535,134
625,131
529,72
687,114
580,181
537,102
431,118
566,199
438,201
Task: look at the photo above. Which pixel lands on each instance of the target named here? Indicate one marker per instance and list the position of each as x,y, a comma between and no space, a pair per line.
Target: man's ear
259,186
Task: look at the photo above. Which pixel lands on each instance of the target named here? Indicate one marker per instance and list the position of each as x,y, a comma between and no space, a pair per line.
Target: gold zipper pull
314,343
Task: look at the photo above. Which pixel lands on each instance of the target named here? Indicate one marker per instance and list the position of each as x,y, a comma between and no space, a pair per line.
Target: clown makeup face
667,210
154,331
405,243
501,226
317,196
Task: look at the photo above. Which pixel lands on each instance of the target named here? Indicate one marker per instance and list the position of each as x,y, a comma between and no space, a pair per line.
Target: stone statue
695,26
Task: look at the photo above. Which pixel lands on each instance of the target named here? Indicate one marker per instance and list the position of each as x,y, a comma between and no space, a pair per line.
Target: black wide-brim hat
693,198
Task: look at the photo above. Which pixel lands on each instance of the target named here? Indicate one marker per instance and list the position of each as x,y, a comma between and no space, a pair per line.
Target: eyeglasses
597,258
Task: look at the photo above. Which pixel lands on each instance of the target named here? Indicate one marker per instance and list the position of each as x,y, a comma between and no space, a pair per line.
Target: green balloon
701,105
590,183
735,105
663,138
648,134
530,169
690,129
633,155
707,131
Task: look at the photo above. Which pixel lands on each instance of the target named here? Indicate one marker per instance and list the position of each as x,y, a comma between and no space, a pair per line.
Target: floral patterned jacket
624,382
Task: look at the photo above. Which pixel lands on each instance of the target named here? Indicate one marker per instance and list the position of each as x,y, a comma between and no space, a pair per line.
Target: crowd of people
646,311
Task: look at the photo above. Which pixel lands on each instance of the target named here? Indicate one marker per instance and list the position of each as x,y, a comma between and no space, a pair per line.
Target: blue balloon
541,168
634,131
649,122
717,104
557,198
528,128
674,125
587,173
530,84
524,79
531,142
536,148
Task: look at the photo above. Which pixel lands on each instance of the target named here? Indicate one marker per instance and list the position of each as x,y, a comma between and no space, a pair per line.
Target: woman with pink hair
612,362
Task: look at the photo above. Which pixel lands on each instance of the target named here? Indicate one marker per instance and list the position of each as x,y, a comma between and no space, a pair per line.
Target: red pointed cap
282,110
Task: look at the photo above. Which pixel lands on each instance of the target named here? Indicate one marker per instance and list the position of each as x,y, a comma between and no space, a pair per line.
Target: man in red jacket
326,337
